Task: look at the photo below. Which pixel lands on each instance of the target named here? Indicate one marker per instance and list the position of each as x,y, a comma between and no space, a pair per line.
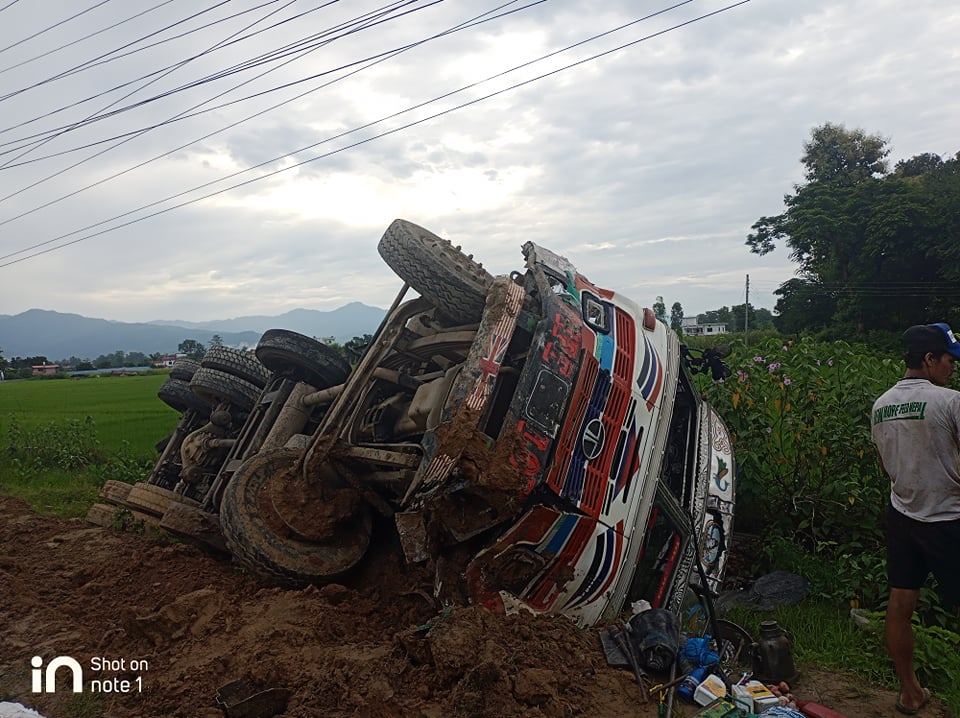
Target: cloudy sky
206,160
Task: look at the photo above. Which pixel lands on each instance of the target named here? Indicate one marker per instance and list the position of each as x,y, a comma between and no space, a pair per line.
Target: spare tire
442,274
237,363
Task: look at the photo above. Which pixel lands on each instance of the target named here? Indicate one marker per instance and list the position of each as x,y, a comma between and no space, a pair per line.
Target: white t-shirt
916,427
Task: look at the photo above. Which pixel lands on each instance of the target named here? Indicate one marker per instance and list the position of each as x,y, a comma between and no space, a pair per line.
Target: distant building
45,369
166,361
692,328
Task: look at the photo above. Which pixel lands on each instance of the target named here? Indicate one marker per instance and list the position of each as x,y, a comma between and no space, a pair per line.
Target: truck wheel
236,363
455,284
301,358
261,540
184,369
176,394
215,386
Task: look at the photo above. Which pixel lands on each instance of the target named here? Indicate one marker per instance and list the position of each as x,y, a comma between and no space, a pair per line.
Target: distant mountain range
39,332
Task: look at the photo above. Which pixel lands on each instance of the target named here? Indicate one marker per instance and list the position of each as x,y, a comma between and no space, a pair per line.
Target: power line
467,24
81,39
223,73
332,152
190,59
51,27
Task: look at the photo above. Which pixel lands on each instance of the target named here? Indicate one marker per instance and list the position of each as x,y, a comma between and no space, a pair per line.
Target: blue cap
953,346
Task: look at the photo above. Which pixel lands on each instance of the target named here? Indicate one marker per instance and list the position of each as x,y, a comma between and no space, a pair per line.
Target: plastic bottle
689,685
815,710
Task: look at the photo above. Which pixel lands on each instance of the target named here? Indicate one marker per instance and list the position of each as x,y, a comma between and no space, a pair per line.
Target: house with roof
692,328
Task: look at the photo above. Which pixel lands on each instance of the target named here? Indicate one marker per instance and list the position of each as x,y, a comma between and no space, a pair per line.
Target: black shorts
916,549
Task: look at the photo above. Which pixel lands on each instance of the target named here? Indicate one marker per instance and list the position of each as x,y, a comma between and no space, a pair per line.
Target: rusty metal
336,420
291,419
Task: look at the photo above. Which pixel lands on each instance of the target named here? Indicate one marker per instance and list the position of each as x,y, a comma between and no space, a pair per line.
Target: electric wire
193,83
97,154
189,113
180,116
9,4
85,37
51,27
358,143
471,23
99,60
184,62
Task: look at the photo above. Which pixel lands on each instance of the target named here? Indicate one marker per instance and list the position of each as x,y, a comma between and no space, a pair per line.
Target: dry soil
177,624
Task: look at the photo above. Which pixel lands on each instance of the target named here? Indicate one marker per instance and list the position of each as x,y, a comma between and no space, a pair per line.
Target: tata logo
592,440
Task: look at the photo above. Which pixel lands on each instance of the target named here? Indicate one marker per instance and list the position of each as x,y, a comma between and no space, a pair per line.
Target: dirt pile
176,625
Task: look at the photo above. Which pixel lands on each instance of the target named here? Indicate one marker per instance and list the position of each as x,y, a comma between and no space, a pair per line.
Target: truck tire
236,363
152,499
215,386
115,492
455,284
176,394
258,539
298,357
184,369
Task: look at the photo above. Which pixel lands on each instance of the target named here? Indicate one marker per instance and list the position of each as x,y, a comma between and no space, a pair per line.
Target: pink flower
786,381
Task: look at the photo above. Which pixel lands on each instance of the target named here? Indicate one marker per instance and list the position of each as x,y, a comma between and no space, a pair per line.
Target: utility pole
746,315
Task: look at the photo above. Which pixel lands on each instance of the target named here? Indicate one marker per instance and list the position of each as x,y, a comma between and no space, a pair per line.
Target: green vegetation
61,440
876,250
809,482
810,485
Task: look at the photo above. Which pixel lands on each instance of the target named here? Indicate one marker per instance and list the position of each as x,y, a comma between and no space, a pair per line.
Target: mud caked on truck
536,438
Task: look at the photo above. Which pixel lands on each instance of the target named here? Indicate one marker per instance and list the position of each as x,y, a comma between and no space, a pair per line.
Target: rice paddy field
60,439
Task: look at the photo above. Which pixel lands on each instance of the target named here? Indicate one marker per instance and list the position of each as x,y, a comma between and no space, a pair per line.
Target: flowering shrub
808,477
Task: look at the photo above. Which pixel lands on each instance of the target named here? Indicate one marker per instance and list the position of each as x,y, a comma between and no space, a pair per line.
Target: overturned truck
535,438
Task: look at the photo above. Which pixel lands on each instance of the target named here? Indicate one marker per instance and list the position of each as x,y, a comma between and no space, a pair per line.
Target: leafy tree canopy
875,250
192,348
660,310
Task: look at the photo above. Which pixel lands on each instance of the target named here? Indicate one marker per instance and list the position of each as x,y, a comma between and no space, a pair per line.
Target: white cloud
646,167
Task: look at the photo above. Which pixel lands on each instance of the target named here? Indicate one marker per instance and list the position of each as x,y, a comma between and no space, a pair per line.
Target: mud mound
177,625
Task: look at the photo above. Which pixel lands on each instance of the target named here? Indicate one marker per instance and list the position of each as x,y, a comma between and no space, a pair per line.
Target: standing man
916,428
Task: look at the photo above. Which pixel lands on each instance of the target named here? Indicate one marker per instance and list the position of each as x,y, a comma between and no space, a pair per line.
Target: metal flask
772,657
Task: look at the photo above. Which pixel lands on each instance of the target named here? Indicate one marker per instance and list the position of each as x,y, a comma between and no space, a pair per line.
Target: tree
855,235
660,310
676,317
716,316
192,348
216,341
835,154
354,348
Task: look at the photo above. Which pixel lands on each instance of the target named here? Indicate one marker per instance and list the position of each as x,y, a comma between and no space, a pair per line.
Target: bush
808,477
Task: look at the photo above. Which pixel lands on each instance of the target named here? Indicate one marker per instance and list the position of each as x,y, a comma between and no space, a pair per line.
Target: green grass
125,409
60,440
825,637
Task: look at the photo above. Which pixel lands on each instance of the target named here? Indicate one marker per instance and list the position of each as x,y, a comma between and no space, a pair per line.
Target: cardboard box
719,708
762,697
